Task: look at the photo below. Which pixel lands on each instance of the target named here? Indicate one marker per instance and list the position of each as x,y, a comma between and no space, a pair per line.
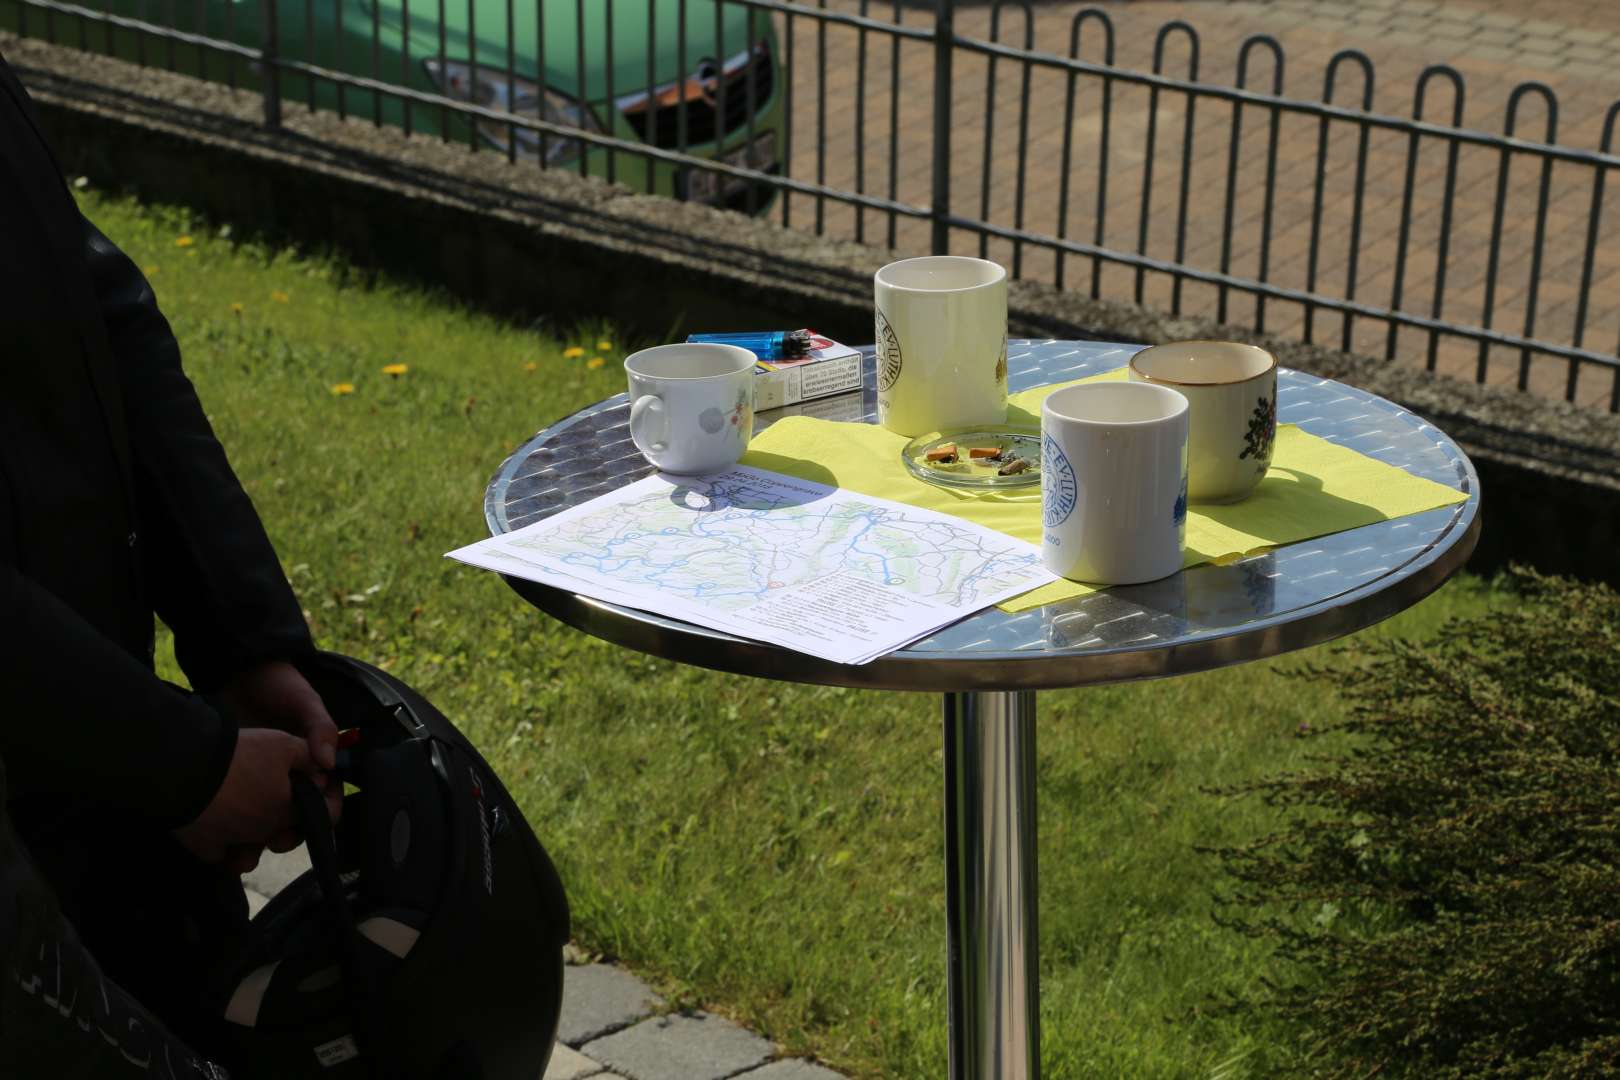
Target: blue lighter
765,344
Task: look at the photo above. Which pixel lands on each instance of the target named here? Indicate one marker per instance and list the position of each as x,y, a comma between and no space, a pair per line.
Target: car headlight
490,88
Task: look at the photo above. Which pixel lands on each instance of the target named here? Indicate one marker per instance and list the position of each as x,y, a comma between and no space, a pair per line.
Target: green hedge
1445,900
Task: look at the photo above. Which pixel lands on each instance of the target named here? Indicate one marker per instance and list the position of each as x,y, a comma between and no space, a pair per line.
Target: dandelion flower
573,352
595,362
278,296
604,346
395,370
530,366
343,388
183,241
236,308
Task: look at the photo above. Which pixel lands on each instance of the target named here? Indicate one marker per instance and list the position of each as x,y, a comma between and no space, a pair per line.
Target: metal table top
1203,617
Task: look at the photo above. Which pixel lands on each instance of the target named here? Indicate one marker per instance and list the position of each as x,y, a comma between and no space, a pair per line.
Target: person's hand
275,695
253,807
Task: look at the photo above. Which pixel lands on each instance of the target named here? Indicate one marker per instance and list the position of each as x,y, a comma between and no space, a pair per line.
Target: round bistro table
990,665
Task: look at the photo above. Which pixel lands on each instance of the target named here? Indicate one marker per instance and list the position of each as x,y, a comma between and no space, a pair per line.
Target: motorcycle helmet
426,939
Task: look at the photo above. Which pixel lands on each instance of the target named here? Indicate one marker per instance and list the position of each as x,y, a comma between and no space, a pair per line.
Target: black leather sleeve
83,719
101,727
211,572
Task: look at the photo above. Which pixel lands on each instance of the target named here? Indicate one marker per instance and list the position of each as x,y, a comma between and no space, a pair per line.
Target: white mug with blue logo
1113,482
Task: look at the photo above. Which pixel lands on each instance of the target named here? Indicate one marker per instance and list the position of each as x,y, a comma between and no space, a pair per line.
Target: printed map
839,575
728,542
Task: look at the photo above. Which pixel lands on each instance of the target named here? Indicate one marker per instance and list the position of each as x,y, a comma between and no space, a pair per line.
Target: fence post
270,70
944,41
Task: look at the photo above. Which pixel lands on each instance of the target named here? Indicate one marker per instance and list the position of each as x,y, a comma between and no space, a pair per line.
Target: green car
726,74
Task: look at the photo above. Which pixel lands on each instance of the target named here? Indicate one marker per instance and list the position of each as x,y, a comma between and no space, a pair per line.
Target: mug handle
640,422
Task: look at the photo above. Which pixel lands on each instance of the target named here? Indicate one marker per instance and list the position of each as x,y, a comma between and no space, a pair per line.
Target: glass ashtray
927,459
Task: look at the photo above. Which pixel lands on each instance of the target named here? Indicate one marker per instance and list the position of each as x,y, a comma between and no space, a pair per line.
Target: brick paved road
1493,44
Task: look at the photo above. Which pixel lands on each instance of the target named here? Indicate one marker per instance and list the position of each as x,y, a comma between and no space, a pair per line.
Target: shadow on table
803,468
731,491
1289,505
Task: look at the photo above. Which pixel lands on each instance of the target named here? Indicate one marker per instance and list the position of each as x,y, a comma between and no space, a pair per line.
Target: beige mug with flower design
1231,392
691,405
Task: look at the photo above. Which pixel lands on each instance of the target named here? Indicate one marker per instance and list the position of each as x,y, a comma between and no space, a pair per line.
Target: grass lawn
766,851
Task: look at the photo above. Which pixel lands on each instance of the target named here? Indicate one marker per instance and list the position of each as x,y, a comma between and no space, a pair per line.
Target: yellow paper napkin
1313,488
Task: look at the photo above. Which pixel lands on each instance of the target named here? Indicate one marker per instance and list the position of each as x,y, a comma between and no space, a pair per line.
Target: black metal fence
1479,254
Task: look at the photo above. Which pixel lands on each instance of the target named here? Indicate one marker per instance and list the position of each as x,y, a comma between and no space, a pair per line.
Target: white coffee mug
1231,389
1113,482
941,333
691,405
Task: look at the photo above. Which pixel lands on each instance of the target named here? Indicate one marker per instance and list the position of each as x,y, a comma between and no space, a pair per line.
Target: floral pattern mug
1231,392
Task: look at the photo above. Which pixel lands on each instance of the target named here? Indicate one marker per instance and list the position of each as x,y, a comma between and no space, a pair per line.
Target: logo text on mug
1057,483
888,350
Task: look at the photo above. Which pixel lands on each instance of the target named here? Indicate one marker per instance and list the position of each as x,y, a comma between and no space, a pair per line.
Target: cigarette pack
828,368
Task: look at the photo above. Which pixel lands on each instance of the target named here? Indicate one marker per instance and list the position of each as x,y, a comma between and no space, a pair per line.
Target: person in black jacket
139,804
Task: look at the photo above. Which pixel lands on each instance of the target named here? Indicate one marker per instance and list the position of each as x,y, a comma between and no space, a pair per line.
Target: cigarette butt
946,453
976,452
1016,465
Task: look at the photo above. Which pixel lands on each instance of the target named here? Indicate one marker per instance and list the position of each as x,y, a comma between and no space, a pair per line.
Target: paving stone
1373,15
567,1064
1450,36
598,998
1538,44
795,1069
1499,53
1284,17
1404,21
1595,54
1542,26
1585,35
1542,61
1415,38
699,1047
1587,69
1495,35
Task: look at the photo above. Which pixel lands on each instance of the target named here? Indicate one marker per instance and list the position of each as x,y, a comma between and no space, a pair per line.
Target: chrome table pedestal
990,910
990,665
